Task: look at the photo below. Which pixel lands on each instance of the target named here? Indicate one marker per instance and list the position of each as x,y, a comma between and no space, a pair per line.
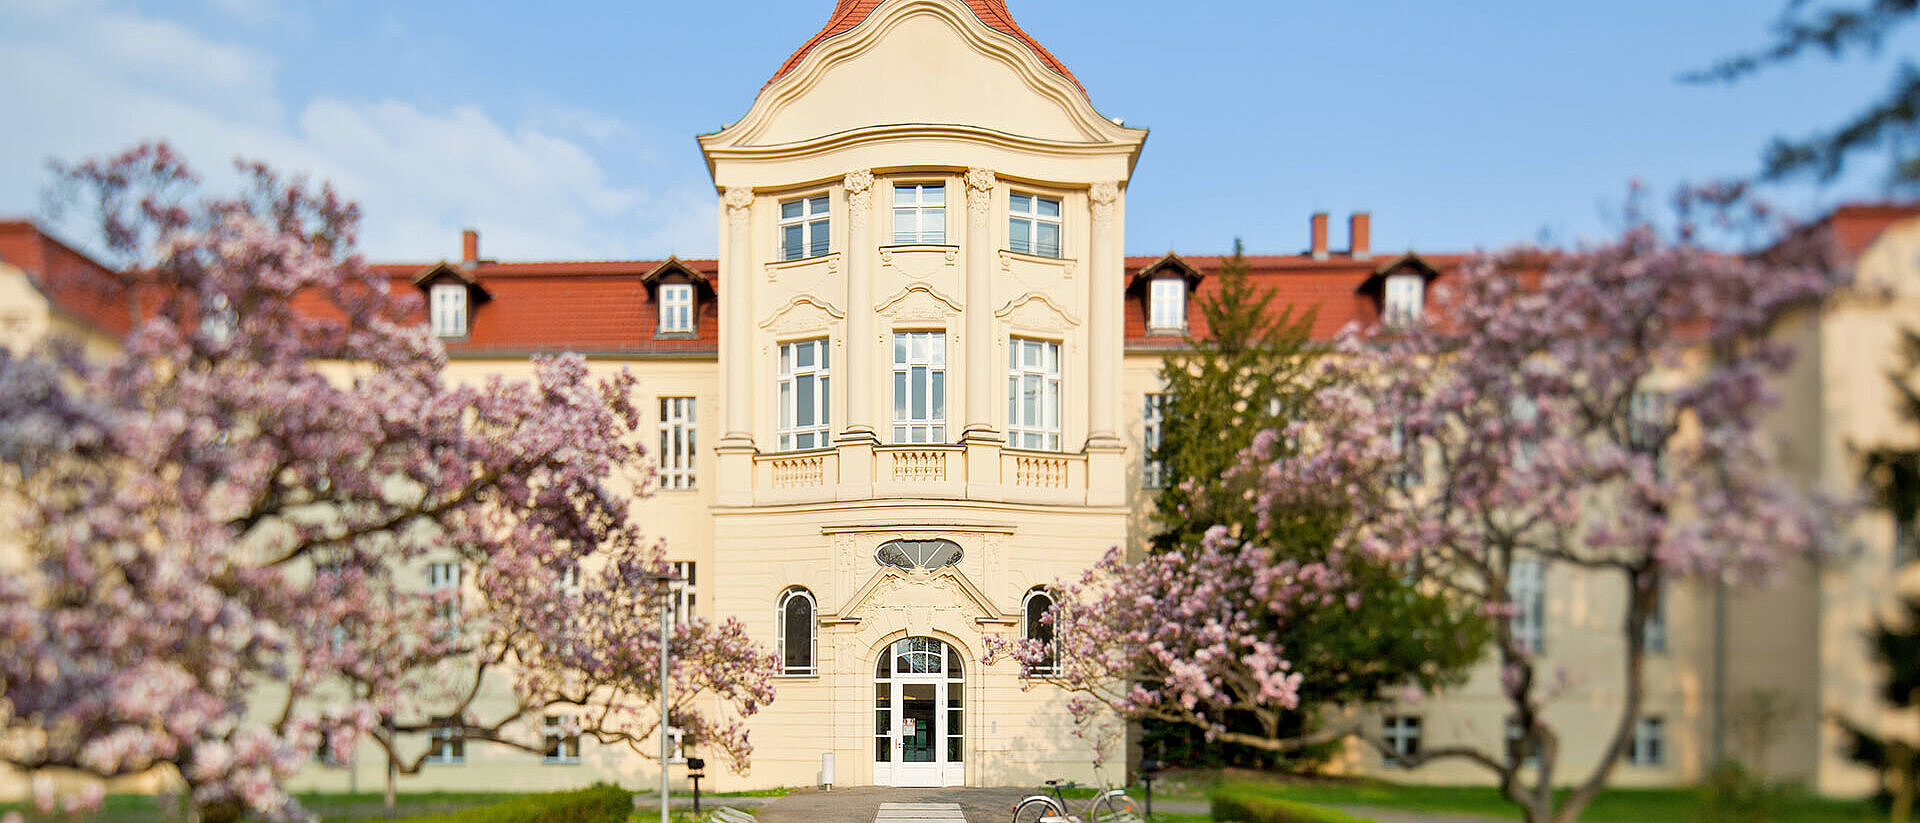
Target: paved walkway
975,805
861,803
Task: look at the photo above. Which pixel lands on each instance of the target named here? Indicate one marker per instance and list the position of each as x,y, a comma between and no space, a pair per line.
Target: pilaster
981,184
862,341
735,450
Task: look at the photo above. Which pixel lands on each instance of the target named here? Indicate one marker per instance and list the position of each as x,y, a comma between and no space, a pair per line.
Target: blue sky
566,129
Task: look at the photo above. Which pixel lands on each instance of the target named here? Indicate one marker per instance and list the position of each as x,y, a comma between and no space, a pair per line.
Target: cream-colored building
917,385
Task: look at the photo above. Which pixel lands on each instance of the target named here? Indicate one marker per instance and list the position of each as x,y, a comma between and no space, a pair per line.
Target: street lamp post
665,582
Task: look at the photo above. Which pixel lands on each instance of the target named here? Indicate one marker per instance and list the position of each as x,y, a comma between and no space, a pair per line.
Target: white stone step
919,813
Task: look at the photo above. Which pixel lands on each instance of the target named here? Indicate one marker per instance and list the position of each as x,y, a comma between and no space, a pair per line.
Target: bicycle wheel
1116,807
1035,809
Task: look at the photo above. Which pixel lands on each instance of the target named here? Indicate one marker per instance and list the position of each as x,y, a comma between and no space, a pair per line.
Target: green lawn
1613,806
140,808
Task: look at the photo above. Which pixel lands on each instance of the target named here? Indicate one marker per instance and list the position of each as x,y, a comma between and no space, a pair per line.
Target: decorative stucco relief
802,314
1035,312
918,303
919,263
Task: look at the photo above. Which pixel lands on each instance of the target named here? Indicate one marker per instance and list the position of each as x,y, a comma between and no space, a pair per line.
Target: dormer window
449,301
676,308
1167,304
677,291
1403,302
1033,225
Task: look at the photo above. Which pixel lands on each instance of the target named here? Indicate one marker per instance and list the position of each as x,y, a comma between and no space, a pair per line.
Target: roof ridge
848,14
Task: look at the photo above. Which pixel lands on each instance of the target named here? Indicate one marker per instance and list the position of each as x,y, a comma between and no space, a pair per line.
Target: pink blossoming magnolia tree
1599,409
222,527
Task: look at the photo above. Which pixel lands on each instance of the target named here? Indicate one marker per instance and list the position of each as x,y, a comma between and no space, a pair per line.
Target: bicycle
1107,806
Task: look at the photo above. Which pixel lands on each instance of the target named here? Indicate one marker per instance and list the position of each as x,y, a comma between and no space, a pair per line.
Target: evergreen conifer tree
1253,368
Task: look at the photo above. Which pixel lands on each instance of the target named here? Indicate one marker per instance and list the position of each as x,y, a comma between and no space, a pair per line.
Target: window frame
921,209
1167,305
789,435
675,302
679,456
557,751
812,666
1527,594
931,427
447,744
439,579
1028,620
815,227
448,319
1153,419
1043,427
1648,746
1402,734
1033,217
683,591
1403,305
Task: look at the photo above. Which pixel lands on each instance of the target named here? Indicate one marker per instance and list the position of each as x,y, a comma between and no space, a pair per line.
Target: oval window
918,554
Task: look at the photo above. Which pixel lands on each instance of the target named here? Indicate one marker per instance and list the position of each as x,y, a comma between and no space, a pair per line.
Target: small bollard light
695,768
1149,769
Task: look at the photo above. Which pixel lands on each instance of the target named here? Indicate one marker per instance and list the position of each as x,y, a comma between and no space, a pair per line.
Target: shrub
599,803
1243,804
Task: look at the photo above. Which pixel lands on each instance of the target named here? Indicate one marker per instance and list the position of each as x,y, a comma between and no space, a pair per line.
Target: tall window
1524,414
1527,589
804,227
1649,746
443,580
1406,471
920,387
678,446
449,742
1033,394
1038,626
1520,750
684,591
920,213
1654,636
1033,225
803,394
676,308
449,310
1647,420
1153,471
1167,304
796,631
1403,303
1402,735
563,748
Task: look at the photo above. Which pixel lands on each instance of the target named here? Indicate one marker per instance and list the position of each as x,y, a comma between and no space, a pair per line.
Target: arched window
796,631
1037,626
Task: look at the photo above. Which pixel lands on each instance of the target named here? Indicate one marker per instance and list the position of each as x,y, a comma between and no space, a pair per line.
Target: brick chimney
1319,235
469,248
1360,228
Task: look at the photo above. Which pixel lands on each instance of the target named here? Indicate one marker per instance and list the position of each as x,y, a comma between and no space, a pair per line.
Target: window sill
675,335
832,259
797,676
1166,331
1036,257
566,761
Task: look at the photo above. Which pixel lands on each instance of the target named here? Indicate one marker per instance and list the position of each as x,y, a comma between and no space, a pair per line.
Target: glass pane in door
919,706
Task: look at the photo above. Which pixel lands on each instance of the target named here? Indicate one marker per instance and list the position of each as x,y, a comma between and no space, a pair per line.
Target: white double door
920,732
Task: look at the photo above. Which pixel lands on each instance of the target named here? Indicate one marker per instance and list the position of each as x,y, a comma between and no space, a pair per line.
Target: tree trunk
220,811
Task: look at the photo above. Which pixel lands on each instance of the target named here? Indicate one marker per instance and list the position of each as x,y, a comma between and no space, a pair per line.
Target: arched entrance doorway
918,714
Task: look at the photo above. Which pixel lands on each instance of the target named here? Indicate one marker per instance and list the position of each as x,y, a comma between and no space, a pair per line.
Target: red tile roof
1330,288
850,13
591,307
77,286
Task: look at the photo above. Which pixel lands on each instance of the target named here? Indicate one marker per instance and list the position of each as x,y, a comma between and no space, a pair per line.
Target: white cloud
92,79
